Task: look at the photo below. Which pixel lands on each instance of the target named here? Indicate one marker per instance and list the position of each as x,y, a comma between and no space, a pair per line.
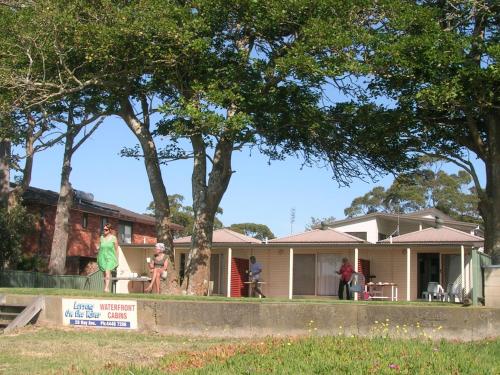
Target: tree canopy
258,231
425,188
434,67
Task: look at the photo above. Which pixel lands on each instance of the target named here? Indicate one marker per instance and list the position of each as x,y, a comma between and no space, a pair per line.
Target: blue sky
258,192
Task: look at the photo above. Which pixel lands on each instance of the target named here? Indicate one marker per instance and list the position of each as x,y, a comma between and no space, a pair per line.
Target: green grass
335,355
140,296
76,351
61,351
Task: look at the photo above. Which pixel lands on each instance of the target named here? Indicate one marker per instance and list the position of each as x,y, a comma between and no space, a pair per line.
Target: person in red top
345,273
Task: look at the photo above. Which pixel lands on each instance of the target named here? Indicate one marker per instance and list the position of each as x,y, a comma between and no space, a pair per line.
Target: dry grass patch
86,351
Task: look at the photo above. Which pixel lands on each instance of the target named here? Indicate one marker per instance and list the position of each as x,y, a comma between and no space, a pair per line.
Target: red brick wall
83,242
143,233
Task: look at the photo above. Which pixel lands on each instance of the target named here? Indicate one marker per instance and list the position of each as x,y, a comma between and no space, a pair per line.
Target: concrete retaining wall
492,286
249,319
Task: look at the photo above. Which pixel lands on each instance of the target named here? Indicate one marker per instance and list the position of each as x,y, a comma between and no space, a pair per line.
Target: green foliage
320,223
183,215
29,262
420,189
14,226
259,231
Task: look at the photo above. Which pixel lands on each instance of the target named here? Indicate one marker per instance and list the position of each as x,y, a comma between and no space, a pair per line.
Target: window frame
123,224
85,220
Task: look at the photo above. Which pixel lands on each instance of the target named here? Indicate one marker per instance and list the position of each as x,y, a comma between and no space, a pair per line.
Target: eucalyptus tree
260,82
74,117
225,76
437,64
34,72
421,189
231,75
259,231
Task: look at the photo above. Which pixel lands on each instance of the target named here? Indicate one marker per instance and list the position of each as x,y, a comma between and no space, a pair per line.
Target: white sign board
99,313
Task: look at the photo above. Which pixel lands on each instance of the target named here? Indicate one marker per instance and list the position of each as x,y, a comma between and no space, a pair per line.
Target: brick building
86,223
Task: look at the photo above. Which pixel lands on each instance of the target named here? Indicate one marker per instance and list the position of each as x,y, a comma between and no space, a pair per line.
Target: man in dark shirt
345,273
255,273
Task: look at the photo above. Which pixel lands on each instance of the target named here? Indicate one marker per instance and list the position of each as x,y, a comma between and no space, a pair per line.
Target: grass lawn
56,351
141,296
76,351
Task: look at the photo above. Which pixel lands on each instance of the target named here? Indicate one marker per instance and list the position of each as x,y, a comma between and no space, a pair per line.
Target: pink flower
394,366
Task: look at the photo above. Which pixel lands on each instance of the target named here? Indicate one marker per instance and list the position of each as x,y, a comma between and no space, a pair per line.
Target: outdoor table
376,291
142,279
250,286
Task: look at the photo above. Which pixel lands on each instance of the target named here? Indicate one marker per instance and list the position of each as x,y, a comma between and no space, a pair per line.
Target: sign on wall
99,313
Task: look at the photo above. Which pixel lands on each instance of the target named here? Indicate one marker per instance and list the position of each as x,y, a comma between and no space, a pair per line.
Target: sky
259,192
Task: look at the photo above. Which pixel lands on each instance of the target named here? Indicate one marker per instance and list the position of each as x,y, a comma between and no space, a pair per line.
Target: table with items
379,291
141,279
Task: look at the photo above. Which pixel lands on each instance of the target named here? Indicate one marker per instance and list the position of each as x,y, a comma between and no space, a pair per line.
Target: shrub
14,225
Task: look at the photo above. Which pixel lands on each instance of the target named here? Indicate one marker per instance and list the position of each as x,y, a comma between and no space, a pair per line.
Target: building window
124,232
104,221
85,220
362,235
382,236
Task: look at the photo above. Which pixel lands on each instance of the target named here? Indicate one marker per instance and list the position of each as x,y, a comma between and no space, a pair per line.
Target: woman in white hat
158,268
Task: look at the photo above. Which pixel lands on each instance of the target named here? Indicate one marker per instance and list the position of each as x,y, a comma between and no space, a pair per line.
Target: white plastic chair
453,292
433,291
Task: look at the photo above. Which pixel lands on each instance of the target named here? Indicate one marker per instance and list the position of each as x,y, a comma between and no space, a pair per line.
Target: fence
26,279
479,261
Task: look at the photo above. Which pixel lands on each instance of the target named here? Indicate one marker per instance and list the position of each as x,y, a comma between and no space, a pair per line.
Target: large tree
260,81
225,75
258,231
420,189
74,119
437,64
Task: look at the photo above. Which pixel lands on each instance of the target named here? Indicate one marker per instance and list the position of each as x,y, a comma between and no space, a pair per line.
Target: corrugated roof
223,235
435,235
328,235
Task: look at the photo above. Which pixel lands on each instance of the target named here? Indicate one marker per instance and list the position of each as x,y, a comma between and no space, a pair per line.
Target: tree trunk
206,200
162,210
17,193
5,147
491,207
57,263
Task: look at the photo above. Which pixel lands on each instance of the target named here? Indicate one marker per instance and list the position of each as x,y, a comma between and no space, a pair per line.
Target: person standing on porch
255,272
107,259
345,273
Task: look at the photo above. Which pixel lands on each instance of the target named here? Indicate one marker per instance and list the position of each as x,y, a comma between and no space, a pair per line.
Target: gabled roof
85,204
442,235
328,235
225,236
418,216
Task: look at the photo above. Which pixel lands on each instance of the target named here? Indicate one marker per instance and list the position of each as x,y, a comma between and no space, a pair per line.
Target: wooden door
239,274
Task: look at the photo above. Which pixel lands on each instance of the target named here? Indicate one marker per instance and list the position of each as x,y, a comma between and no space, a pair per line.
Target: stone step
11,308
8,315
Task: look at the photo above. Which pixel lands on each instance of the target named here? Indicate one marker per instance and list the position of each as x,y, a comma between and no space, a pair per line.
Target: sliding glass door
304,267
327,279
